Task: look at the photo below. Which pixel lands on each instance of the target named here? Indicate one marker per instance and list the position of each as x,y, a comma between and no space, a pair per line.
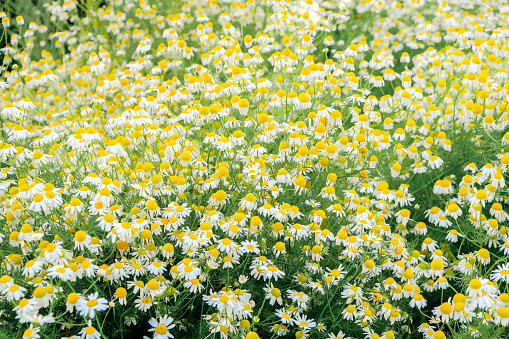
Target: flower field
254,169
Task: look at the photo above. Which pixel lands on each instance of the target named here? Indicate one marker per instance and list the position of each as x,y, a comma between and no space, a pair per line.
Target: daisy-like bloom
500,273
47,75
480,197
40,204
248,202
121,294
250,247
32,267
339,335
272,272
81,239
194,285
219,198
429,244
337,209
15,292
188,269
370,268
71,301
303,322
418,301
144,304
502,316
75,206
481,291
90,332
106,222
161,327
279,248
31,333
444,312
505,247
88,306
453,210
483,255
300,298
227,245
329,193
273,294
61,273
349,312
285,316
435,162
124,231
156,267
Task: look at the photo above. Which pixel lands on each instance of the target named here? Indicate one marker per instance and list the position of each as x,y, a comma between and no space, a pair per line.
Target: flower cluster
255,169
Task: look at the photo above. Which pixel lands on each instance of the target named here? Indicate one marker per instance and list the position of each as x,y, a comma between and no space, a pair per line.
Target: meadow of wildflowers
254,169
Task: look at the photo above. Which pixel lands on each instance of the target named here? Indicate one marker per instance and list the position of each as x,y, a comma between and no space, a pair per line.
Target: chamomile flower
161,327
88,306
500,273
